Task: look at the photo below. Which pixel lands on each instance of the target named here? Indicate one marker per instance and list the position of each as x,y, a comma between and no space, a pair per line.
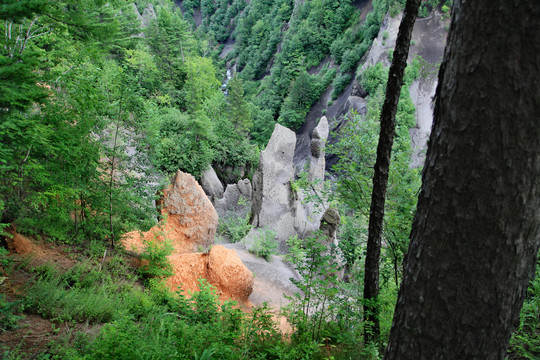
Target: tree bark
380,176
476,233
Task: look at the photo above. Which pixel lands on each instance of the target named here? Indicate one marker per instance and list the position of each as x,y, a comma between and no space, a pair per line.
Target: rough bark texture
476,232
382,164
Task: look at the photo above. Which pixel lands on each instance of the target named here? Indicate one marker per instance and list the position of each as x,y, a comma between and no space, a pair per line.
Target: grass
136,321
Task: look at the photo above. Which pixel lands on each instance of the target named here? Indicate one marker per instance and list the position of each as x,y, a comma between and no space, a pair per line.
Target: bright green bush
234,227
373,77
264,244
154,262
339,84
8,318
525,342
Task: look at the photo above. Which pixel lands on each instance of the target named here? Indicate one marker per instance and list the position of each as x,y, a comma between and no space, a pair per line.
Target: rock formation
329,225
318,145
189,219
221,267
211,184
236,200
275,205
272,198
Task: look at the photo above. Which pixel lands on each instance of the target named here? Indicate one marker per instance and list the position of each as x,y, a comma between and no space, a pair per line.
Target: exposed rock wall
276,206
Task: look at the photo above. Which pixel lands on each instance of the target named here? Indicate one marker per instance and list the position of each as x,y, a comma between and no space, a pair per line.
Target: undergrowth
145,322
525,343
234,227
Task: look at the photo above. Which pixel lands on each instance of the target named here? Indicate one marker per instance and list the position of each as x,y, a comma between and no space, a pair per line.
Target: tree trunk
380,177
476,233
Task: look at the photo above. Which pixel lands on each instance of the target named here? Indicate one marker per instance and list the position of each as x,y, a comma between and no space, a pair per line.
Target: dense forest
101,102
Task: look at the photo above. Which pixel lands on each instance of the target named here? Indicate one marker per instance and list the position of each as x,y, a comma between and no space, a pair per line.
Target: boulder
357,105
211,184
229,274
221,267
189,219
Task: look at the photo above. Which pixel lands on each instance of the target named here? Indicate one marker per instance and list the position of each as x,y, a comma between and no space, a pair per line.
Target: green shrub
154,259
525,342
84,294
339,84
8,319
5,260
188,328
234,227
51,299
373,77
395,8
264,245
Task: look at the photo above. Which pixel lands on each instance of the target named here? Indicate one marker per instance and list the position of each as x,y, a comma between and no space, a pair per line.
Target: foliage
327,309
183,142
82,294
318,275
8,319
239,111
339,84
169,325
5,260
525,342
263,243
201,82
154,262
234,227
306,32
373,77
428,5
54,180
357,152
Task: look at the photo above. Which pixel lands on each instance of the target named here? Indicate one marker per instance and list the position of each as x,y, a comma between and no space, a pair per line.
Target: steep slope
299,59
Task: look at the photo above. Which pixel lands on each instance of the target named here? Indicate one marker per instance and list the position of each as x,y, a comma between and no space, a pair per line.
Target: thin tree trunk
111,183
476,232
380,177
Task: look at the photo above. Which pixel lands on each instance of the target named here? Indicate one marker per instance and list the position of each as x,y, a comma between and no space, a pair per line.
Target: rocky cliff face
428,41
